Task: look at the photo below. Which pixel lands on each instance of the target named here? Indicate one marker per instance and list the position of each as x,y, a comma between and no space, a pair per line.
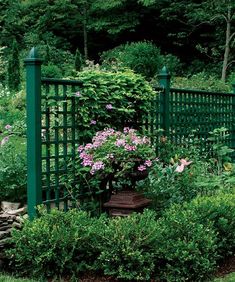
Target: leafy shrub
56,243
127,251
172,63
13,168
185,249
108,99
170,181
51,71
13,111
201,81
166,186
142,57
231,78
218,210
174,248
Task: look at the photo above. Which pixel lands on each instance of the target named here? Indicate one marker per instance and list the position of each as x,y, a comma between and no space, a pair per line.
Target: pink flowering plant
117,156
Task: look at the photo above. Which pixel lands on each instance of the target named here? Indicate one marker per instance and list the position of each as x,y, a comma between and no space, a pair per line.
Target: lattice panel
201,112
59,138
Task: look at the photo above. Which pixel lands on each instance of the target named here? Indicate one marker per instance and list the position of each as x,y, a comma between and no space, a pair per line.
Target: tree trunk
85,34
227,45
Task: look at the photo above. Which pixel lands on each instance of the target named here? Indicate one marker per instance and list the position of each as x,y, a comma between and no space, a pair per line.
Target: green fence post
165,81
33,94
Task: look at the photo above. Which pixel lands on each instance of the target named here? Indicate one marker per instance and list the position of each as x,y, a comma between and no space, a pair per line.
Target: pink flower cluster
146,164
120,142
87,160
183,164
135,139
99,165
102,136
127,141
130,148
109,106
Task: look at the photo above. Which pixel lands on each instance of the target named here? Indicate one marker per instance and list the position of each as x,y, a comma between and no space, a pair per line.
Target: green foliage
173,64
142,57
78,61
58,62
201,81
108,99
3,65
185,249
127,251
8,278
227,278
14,68
51,71
219,211
13,168
173,179
12,110
174,248
56,243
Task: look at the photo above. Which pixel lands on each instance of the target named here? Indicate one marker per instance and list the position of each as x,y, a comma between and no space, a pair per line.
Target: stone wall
11,216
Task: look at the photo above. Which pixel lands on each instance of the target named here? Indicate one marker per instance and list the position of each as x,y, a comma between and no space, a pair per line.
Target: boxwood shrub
185,249
139,247
218,210
56,243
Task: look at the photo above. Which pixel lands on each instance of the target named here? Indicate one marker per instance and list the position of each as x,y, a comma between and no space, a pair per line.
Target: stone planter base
126,202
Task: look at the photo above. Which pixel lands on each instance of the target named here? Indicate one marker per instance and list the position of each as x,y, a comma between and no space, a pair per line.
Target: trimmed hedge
138,247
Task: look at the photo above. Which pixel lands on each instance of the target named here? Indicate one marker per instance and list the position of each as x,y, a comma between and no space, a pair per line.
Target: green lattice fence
52,131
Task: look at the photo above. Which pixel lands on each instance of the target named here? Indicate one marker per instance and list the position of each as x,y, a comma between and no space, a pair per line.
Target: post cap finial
164,70
33,53
164,73
33,57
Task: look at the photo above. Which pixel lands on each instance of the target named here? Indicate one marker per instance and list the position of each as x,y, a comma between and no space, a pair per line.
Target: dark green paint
34,170
164,81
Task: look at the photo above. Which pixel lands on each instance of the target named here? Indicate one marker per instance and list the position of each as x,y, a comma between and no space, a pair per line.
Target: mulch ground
227,266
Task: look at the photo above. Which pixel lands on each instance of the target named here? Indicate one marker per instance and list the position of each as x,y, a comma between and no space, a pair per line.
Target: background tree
202,19
13,71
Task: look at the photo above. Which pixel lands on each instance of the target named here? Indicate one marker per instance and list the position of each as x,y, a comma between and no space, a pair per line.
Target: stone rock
11,216
5,234
20,211
6,206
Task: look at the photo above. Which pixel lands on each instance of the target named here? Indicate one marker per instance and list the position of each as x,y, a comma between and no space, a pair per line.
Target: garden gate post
165,81
33,101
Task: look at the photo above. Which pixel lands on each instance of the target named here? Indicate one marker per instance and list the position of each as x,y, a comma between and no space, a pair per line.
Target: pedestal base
126,202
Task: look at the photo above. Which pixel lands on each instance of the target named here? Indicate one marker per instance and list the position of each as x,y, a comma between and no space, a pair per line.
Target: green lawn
6,278
228,278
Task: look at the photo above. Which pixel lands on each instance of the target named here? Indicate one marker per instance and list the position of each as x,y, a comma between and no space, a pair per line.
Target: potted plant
119,159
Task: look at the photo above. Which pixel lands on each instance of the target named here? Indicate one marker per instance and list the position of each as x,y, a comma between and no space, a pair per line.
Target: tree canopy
200,33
